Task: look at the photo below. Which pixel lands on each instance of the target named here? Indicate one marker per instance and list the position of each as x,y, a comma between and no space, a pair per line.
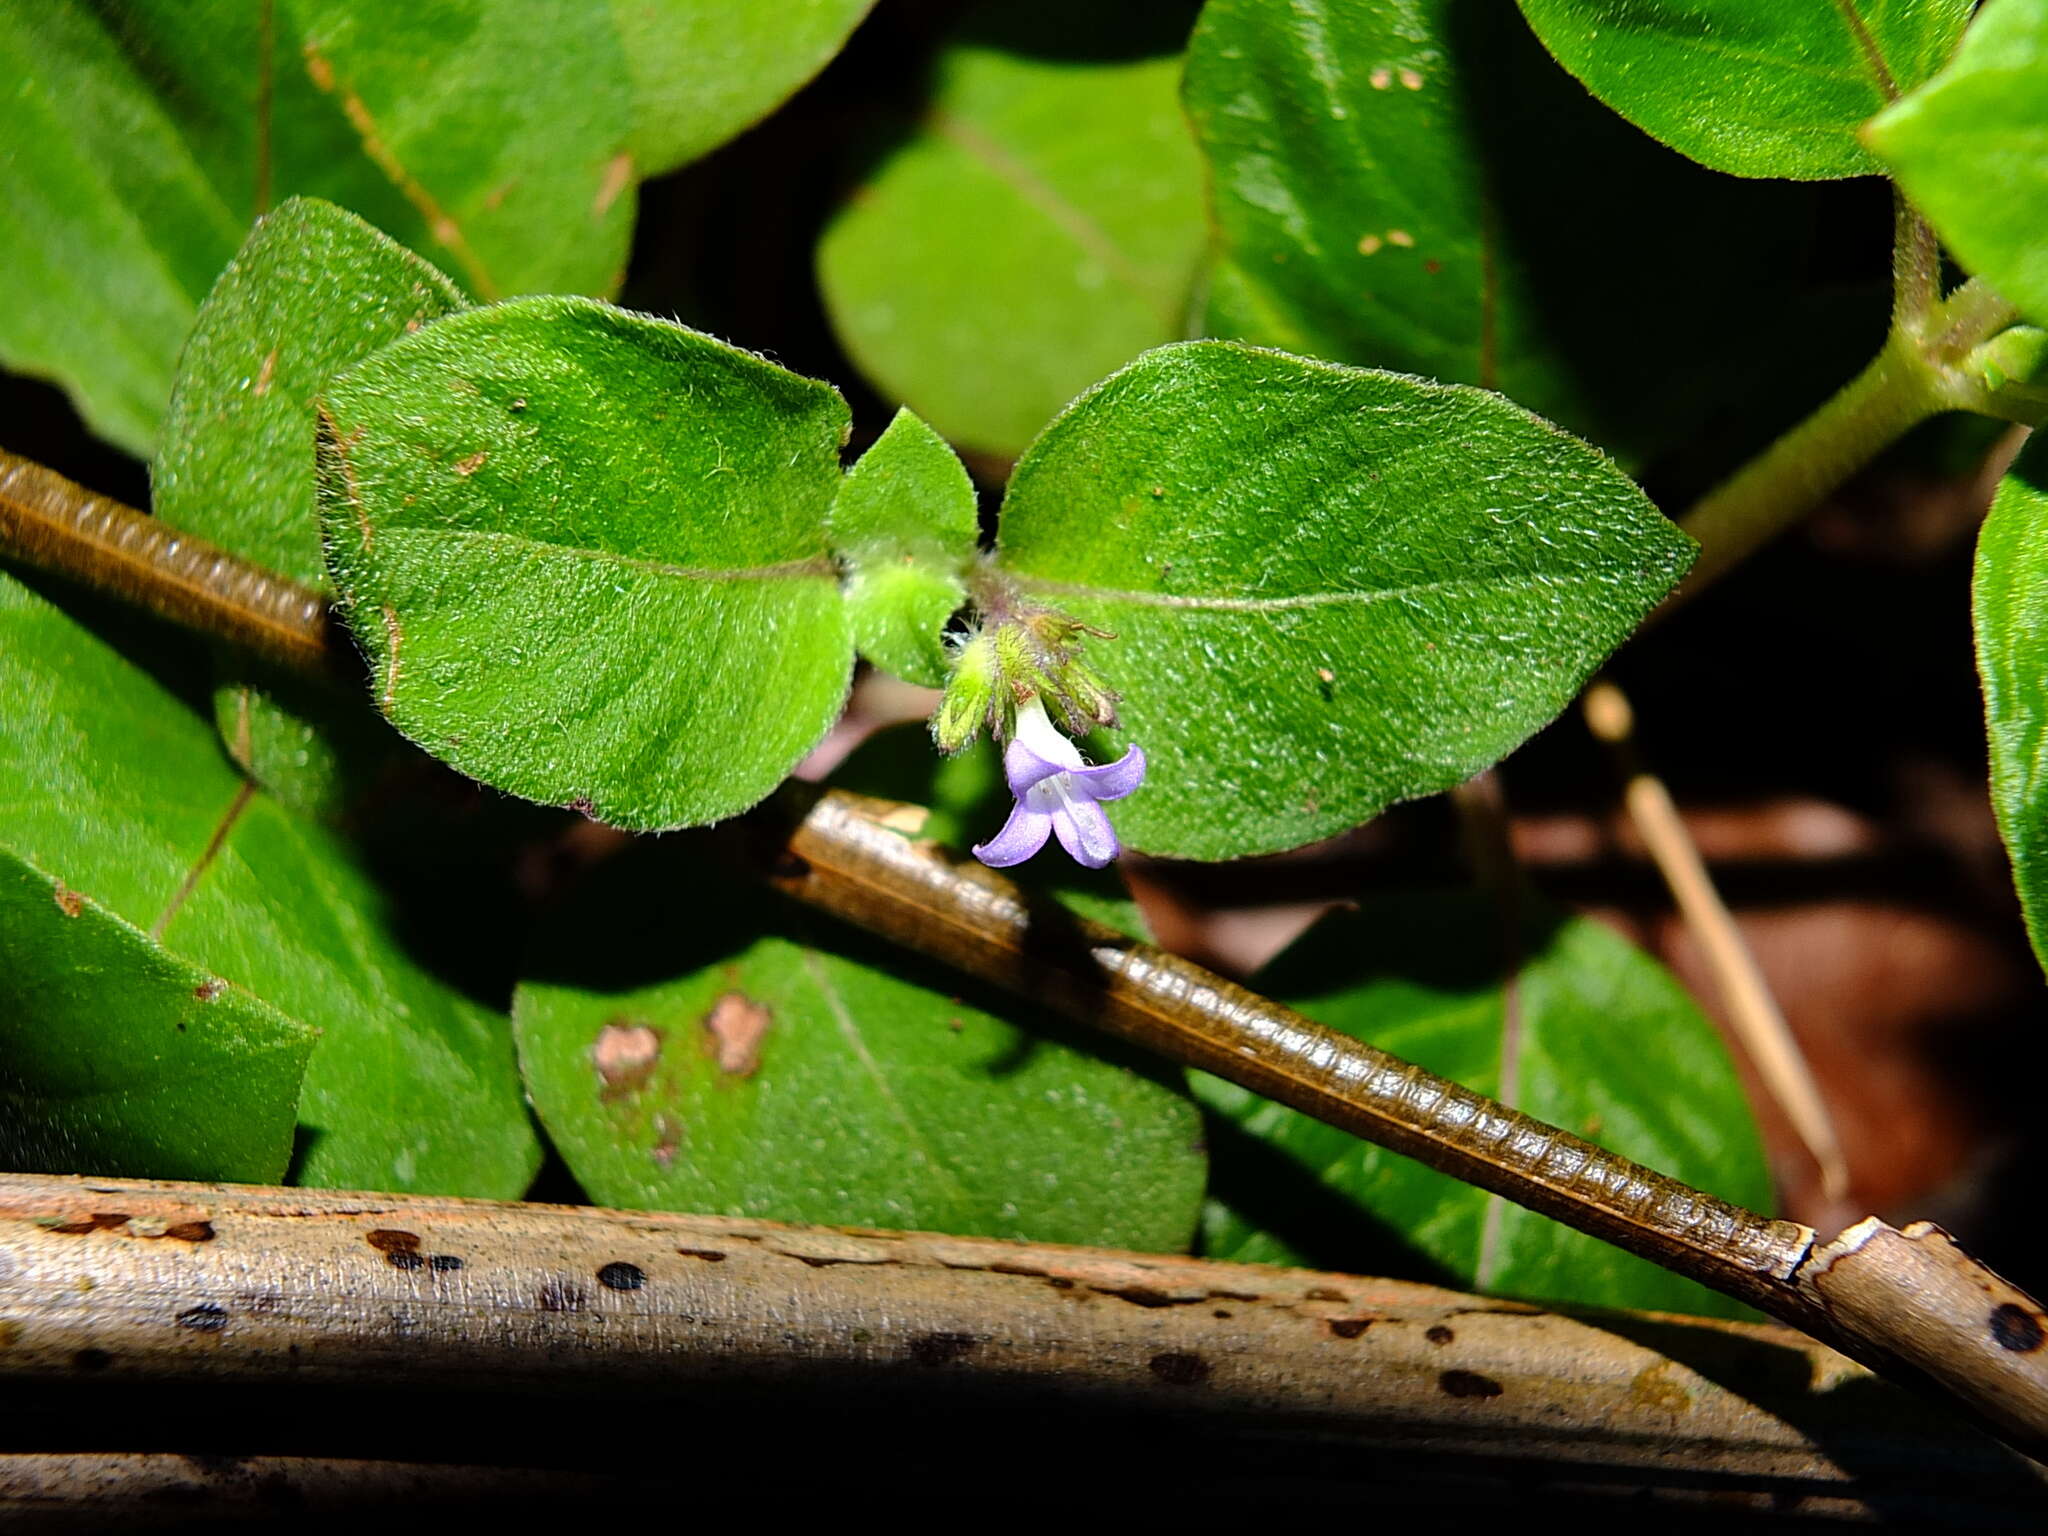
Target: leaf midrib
1218,604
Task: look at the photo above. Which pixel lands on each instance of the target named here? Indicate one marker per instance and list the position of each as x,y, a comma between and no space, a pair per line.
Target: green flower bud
970,691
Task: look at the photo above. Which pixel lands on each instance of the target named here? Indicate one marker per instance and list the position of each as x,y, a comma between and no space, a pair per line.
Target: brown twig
1907,1302
121,1283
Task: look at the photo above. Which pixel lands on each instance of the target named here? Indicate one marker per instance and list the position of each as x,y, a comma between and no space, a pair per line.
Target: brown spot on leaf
208,990
734,1028
69,902
472,463
668,1133
1468,1384
625,1054
1179,1370
266,372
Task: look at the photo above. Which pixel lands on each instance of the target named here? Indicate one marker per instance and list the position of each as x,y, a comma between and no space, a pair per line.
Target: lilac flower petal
1024,768
1111,781
1022,836
1085,832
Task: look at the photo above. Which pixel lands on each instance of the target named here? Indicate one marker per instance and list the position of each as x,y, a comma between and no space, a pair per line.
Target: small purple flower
1057,792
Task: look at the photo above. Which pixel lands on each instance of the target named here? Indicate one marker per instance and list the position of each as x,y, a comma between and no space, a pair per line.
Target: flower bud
970,691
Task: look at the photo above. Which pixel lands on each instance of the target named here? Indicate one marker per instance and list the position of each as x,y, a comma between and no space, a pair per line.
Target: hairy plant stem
1909,1302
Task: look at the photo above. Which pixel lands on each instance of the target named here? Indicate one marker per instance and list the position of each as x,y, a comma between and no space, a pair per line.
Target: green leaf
1331,589
1970,147
2012,657
313,290
122,793
1041,227
1419,187
490,135
1753,89
691,1046
119,1059
704,69
967,801
904,525
585,552
1593,1036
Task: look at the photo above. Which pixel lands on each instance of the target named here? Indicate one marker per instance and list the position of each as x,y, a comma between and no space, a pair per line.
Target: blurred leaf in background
1039,227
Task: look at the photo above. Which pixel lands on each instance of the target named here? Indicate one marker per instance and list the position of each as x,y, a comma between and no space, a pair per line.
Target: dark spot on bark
207,991
1017,1269
817,1261
2016,1329
204,1318
1219,1313
621,1276
1468,1384
1179,1370
789,865
99,1221
405,1258
387,1240
443,1262
1145,1296
708,1255
1234,1295
1349,1327
92,1360
562,1296
190,1231
1059,1283
1323,1293
1437,1333
940,1348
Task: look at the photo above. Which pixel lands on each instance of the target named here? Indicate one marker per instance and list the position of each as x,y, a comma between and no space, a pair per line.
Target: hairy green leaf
585,552
489,135
904,524
1591,1035
692,1046
1418,186
1970,147
121,792
313,290
704,69
2012,657
586,556
1754,89
1331,589
1041,227
117,1058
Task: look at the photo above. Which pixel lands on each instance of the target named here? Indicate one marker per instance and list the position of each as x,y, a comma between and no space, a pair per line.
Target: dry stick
1908,1302
198,1286
1737,977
